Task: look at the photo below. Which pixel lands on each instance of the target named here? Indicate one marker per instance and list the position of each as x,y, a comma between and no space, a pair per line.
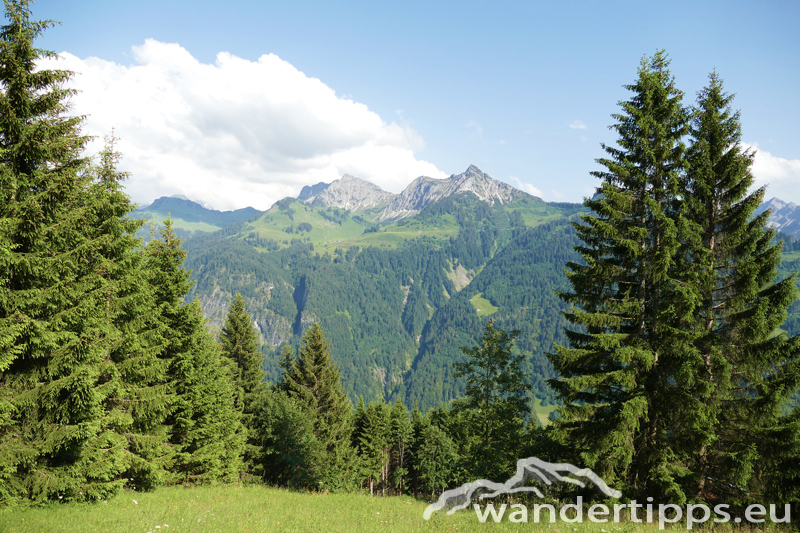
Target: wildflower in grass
135,502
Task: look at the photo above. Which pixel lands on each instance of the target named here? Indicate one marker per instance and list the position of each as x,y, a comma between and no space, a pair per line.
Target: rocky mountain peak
309,192
425,190
350,193
784,216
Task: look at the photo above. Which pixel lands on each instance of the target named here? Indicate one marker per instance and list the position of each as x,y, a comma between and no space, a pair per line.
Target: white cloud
527,187
781,176
236,132
578,125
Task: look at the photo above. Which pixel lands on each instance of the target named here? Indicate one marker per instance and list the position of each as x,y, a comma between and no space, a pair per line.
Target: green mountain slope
397,298
377,289
190,218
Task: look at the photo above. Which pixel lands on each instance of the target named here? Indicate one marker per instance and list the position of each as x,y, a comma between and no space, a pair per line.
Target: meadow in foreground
252,508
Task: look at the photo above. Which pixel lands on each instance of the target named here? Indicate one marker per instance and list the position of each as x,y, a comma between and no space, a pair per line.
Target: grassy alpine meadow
237,508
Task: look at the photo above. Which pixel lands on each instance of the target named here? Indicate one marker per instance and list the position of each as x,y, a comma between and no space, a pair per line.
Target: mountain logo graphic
530,470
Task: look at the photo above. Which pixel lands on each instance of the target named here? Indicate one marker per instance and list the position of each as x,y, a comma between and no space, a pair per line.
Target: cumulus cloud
781,176
237,132
578,125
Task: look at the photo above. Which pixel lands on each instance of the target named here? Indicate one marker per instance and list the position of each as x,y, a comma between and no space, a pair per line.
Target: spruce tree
495,402
418,424
204,423
285,434
240,346
66,256
372,445
135,350
360,428
401,437
615,376
435,460
739,373
315,381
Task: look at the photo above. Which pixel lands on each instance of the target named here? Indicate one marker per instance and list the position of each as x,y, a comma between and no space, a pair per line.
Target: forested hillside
396,299
399,298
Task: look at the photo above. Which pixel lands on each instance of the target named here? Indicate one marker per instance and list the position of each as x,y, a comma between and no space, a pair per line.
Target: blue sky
389,91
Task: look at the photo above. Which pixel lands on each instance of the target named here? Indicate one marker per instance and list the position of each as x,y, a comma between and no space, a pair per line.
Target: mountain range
397,281
356,195
785,217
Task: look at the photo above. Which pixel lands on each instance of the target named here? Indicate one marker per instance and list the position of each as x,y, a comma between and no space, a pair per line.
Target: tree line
306,434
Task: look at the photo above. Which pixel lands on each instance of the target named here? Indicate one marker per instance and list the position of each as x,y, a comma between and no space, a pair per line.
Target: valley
398,282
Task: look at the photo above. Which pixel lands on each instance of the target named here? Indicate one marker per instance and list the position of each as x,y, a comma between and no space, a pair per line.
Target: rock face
785,217
355,194
349,192
309,192
274,329
424,190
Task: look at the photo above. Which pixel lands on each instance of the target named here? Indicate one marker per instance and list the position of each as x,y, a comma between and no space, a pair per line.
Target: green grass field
235,508
179,223
542,412
232,508
327,235
483,306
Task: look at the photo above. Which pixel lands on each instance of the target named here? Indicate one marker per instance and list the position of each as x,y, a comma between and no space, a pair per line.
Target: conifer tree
240,345
401,437
435,459
205,426
495,402
314,380
359,418
134,349
360,423
418,424
373,442
65,254
739,373
285,435
615,376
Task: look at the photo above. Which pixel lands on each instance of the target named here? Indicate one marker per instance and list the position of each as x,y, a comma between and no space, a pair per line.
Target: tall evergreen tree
360,429
496,397
615,376
134,349
739,373
66,254
205,425
285,435
435,459
401,437
240,345
372,444
315,381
